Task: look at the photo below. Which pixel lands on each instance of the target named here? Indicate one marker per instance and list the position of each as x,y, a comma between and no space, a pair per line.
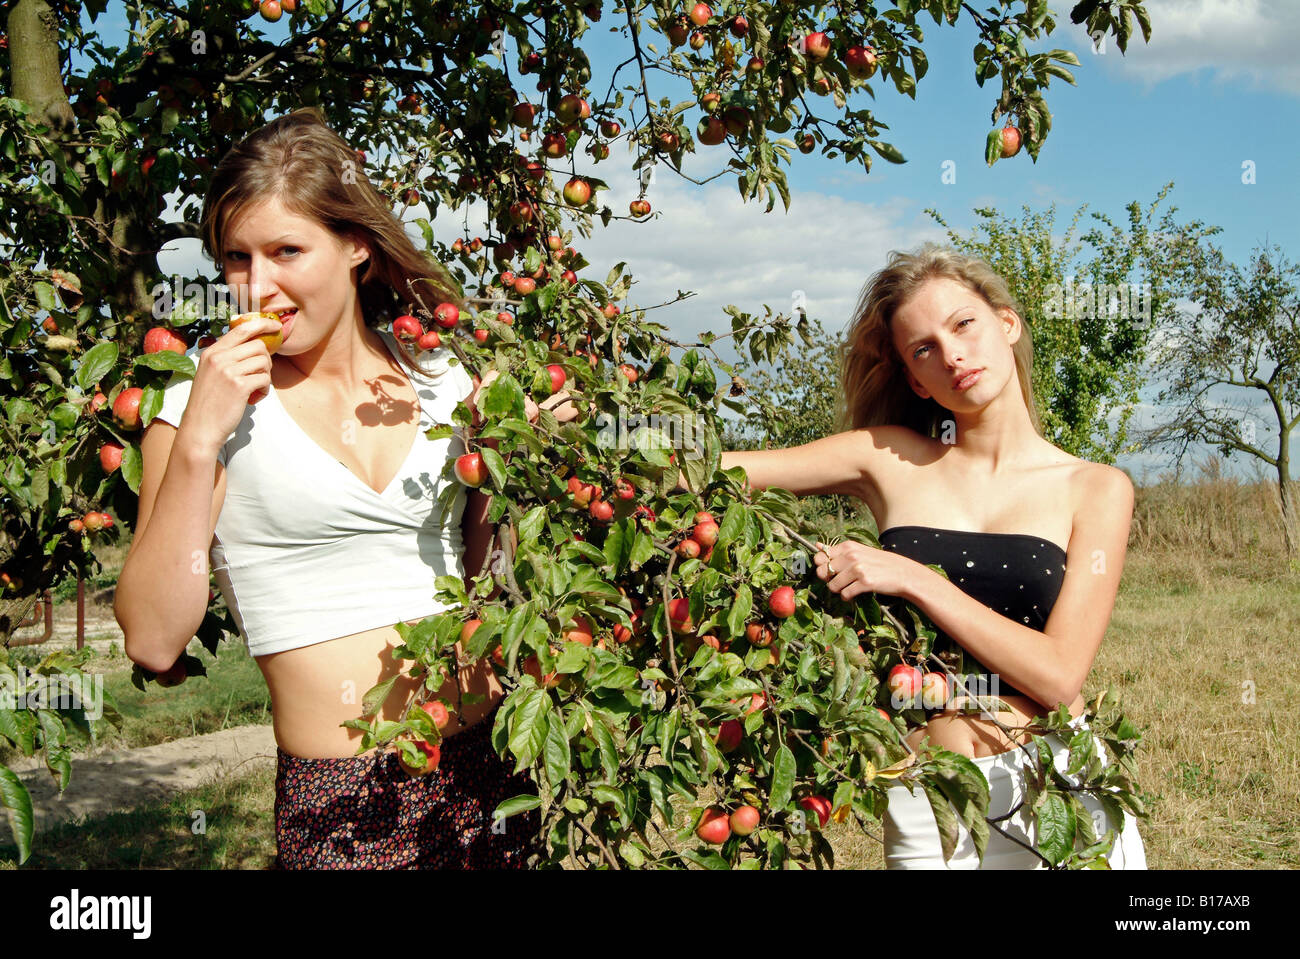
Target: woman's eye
917,354
969,319
292,250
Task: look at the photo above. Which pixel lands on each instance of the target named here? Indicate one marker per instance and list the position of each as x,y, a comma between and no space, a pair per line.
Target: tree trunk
34,62
1285,488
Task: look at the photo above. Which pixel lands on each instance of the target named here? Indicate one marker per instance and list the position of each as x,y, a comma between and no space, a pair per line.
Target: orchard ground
1199,647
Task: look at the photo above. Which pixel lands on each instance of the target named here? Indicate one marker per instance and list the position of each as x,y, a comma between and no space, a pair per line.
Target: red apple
714,827
579,630
525,285
679,615
577,192
270,10
759,634
782,602
76,525
688,549
432,756
1010,141
110,456
272,340
437,712
629,371
429,341
904,683
705,533
161,338
711,131
446,315
701,14
610,310
523,114
601,510
407,329
558,376
817,46
126,408
470,470
572,108
93,521
730,733
609,128
744,820
934,690
555,145
639,207
818,804
469,629
861,60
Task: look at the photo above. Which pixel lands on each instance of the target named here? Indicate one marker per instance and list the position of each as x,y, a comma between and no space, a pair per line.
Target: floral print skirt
367,812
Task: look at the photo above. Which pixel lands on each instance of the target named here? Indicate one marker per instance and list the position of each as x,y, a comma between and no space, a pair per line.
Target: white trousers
912,836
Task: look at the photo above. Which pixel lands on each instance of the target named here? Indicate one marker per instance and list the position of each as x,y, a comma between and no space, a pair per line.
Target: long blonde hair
876,391
314,173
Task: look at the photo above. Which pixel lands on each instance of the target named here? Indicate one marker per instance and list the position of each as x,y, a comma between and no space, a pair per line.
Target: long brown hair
876,391
314,173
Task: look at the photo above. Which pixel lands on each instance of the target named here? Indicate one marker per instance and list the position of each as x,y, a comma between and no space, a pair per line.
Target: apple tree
111,115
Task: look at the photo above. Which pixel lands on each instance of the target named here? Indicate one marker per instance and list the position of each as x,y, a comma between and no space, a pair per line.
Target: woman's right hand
232,373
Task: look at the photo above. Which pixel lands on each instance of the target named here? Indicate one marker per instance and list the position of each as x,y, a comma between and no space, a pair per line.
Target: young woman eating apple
306,478
944,447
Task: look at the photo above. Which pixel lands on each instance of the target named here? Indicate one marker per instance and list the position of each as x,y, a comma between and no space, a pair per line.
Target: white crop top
304,551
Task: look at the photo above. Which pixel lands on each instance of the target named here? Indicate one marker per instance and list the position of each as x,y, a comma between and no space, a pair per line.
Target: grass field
1199,648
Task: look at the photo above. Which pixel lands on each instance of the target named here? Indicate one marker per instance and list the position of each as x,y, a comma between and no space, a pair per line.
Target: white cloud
1250,41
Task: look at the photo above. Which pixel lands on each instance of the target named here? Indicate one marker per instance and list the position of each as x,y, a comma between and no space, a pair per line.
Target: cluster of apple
907,683
430,754
272,10
92,522
699,541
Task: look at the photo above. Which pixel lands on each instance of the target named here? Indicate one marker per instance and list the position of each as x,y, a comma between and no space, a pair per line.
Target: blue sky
1217,87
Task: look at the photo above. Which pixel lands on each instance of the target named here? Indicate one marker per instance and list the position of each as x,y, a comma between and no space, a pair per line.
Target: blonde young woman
945,449
306,478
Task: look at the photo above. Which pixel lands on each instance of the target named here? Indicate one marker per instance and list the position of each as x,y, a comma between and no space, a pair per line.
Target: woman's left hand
852,569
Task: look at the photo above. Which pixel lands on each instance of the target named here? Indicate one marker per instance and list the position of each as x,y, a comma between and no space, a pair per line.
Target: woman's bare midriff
314,689
975,736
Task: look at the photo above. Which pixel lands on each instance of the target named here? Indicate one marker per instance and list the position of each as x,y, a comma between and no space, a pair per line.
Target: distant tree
1246,336
1091,321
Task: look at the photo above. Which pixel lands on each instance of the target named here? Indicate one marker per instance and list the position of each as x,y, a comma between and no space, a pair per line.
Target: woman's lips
969,380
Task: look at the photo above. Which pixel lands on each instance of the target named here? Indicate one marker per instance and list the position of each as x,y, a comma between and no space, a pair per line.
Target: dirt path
122,779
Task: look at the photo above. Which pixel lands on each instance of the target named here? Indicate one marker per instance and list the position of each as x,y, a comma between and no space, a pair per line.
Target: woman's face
277,261
955,347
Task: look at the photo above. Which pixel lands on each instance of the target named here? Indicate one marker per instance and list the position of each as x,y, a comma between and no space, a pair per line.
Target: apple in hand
470,470
272,340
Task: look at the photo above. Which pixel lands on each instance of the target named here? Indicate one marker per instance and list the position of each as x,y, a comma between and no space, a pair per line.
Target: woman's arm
845,463
1053,665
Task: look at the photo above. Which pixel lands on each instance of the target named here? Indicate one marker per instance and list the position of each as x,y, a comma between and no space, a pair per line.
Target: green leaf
1055,827
496,466
783,773
167,360
528,725
993,147
945,818
14,796
515,805
738,615
95,365
558,759
608,754
375,697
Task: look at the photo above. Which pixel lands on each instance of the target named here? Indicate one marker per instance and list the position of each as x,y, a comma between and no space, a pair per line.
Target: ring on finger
830,568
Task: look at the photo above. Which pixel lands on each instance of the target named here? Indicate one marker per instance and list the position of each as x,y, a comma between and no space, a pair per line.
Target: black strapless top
1016,575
